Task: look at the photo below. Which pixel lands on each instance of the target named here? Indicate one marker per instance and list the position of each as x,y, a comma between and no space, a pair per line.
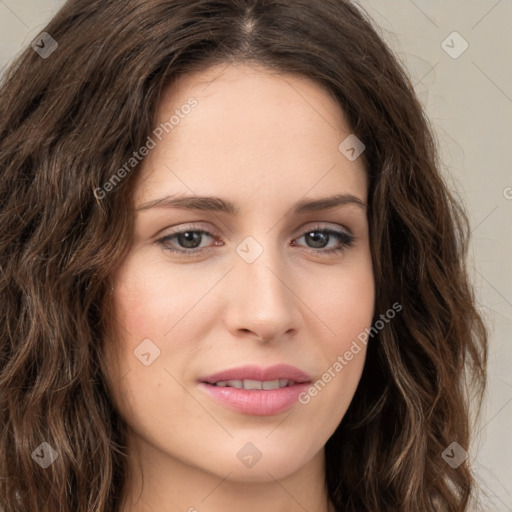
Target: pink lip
257,401
278,371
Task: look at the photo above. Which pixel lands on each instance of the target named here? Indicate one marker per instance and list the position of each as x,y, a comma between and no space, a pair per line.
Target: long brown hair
69,121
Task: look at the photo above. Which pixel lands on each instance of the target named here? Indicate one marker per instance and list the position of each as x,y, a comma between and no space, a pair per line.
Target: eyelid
192,226
201,226
312,226
212,233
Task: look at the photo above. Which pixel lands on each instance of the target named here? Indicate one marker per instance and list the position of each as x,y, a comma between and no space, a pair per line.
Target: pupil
189,243
317,237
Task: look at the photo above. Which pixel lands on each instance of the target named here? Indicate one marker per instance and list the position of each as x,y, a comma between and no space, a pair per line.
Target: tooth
255,384
235,384
252,384
271,384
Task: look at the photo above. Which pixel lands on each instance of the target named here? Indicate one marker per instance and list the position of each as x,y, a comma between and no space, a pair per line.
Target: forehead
252,131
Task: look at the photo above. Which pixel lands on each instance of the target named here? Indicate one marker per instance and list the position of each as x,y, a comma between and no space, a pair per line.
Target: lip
257,402
278,371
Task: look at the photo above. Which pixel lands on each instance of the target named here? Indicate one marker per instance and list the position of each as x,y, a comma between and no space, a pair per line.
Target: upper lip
278,371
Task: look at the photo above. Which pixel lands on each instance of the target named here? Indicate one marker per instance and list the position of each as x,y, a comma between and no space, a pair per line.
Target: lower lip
256,401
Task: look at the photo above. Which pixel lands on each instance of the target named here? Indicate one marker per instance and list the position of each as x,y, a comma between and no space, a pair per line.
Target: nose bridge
262,292
262,266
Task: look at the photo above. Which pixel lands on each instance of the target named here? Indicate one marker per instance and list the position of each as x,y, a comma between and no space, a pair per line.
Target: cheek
150,299
346,306
353,310
345,303
146,344
154,323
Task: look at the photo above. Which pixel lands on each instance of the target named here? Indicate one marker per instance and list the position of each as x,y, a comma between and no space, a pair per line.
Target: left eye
189,240
319,236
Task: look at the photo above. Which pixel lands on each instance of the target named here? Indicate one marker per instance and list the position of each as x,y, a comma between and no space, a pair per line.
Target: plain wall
469,102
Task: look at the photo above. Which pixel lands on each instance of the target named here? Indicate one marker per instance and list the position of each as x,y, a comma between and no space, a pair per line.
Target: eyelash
345,239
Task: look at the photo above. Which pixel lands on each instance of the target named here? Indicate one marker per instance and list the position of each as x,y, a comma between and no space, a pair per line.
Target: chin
262,462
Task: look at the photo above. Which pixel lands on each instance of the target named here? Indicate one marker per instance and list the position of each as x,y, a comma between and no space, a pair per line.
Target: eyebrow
217,204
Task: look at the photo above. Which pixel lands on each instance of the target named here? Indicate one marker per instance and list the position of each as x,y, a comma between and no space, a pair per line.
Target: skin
262,140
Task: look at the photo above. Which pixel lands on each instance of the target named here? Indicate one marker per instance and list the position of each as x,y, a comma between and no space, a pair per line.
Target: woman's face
263,286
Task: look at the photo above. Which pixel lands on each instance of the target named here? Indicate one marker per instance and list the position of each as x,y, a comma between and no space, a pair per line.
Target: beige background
469,101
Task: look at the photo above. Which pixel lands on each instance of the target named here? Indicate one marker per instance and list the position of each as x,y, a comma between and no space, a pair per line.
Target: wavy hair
70,120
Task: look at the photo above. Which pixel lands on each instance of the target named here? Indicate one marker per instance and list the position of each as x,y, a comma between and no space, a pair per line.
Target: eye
188,241
320,237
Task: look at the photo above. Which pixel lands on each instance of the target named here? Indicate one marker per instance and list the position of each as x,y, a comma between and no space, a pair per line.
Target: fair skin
262,141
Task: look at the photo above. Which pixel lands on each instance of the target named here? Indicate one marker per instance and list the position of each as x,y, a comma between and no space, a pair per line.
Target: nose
262,302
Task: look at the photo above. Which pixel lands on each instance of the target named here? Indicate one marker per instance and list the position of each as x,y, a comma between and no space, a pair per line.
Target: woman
233,277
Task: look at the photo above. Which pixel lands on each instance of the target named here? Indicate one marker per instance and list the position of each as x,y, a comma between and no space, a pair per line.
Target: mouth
255,384
256,390
251,376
